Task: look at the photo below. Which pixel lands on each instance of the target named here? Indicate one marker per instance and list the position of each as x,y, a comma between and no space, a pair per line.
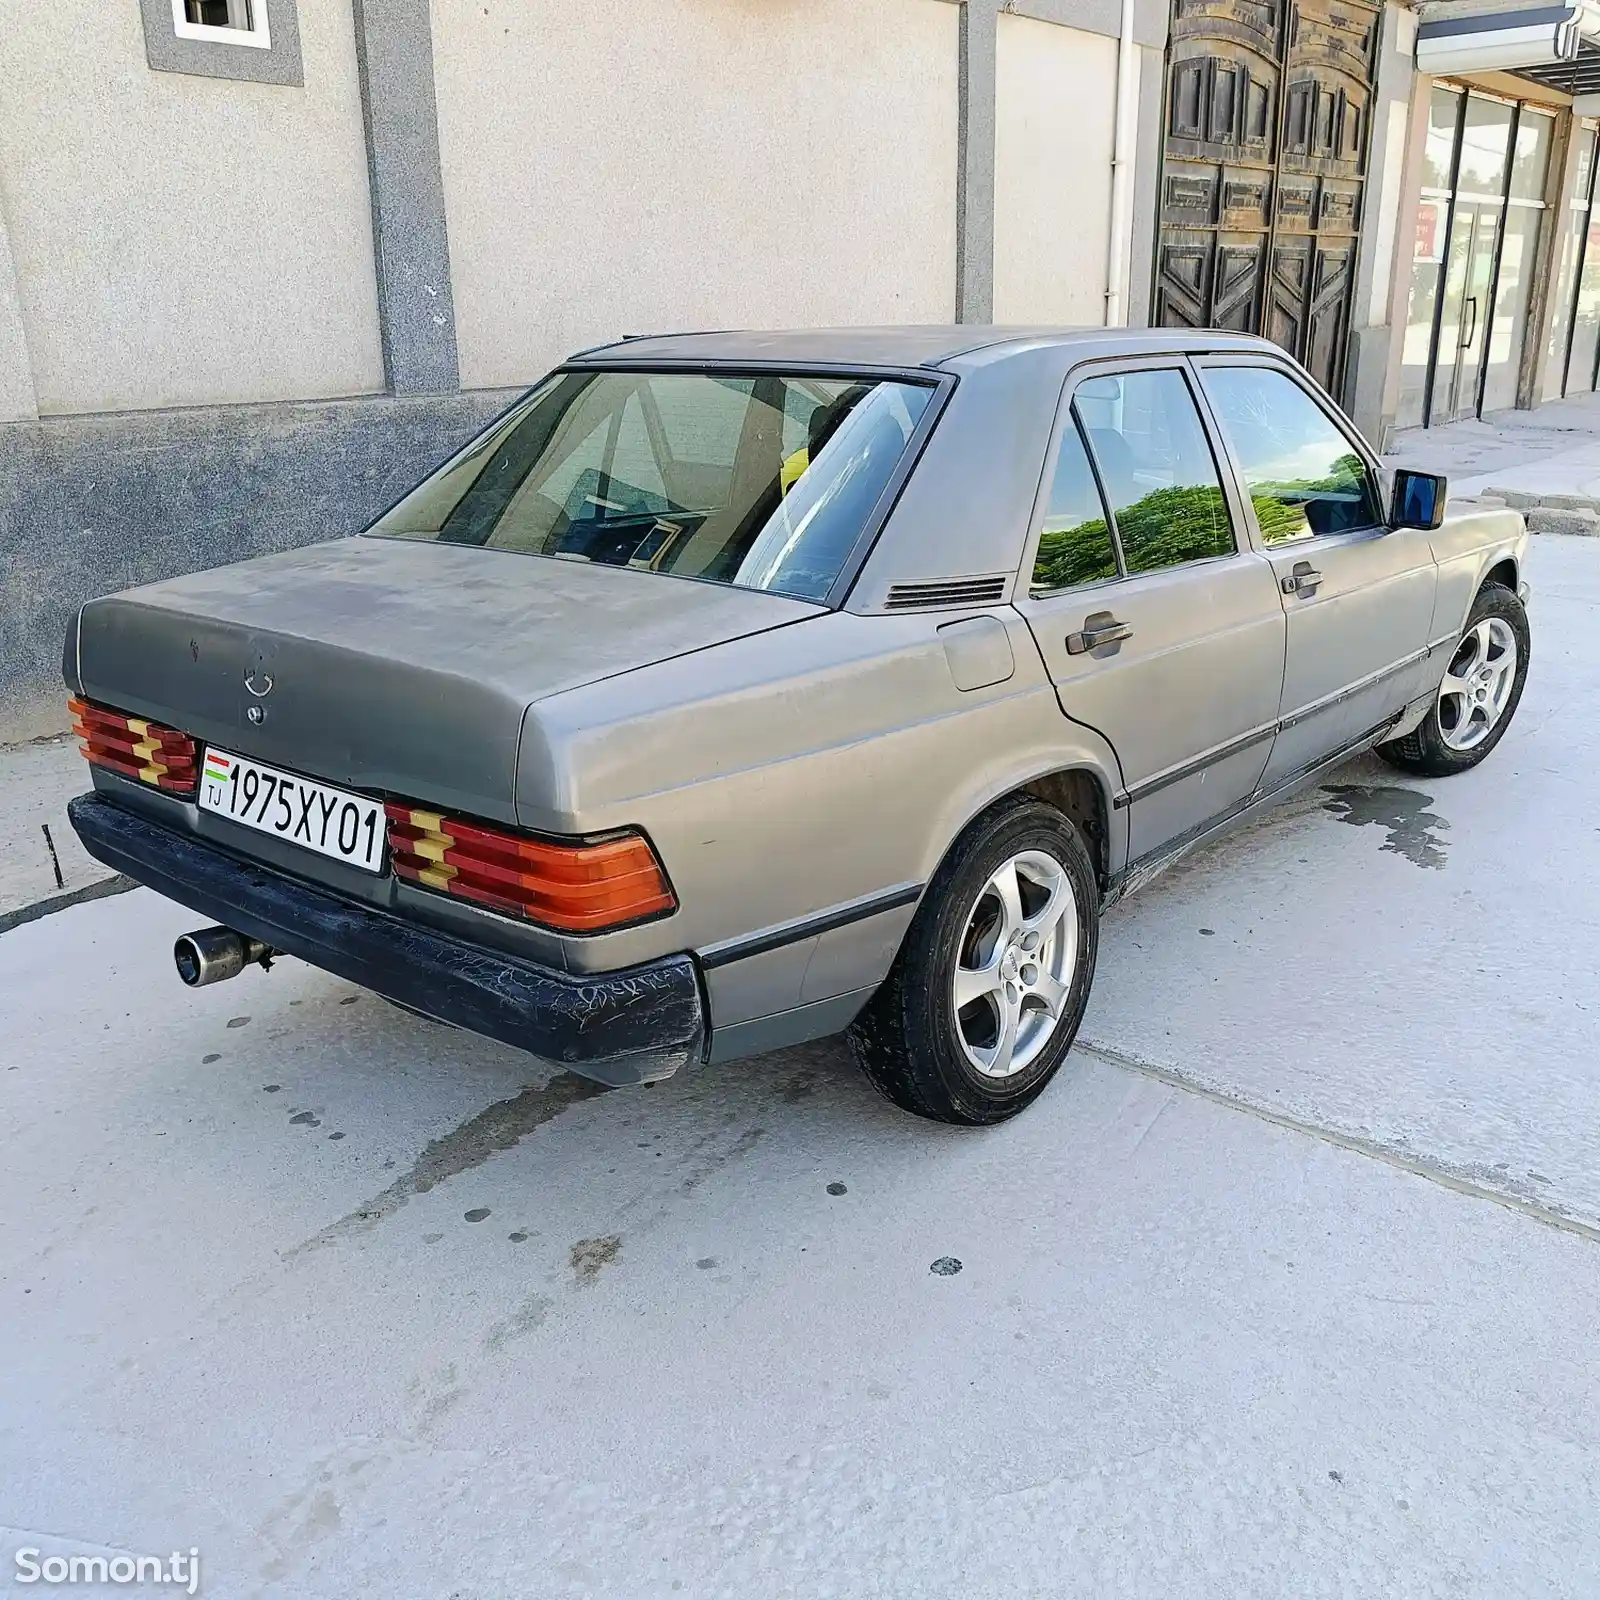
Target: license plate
348,827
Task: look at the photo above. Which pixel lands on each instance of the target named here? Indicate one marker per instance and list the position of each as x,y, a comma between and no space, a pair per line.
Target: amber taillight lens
135,747
577,888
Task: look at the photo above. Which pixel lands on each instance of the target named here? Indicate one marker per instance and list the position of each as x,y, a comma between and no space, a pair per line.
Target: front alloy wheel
1477,685
1478,695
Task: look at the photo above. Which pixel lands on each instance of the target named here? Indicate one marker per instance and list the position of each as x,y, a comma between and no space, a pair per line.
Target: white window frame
257,36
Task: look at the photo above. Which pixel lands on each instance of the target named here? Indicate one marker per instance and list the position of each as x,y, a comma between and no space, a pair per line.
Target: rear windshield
765,481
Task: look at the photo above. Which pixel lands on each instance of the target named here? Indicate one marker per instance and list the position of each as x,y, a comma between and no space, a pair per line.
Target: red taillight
135,747
578,888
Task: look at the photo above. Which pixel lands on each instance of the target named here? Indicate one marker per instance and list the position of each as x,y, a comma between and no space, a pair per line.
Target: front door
1158,630
1357,595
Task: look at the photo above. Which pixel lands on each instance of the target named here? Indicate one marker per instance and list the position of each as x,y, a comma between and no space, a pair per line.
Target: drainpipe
1121,172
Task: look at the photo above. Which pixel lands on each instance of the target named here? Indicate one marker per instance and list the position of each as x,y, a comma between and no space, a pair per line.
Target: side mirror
1419,499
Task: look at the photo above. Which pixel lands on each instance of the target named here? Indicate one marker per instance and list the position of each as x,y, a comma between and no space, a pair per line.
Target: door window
1157,468
1303,475
1075,542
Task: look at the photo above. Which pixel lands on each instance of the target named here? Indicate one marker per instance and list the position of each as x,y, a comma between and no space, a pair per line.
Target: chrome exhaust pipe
208,955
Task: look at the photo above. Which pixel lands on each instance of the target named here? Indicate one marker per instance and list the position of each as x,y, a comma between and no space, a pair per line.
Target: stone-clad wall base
93,504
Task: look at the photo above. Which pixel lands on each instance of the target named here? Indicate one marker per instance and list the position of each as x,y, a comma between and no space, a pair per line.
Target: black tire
907,1041
1423,750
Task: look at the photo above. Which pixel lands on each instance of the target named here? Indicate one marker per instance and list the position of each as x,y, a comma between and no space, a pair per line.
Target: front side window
764,481
1304,476
1075,540
1159,474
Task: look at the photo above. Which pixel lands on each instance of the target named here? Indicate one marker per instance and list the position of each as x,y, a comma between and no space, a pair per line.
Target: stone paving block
1517,499
1551,519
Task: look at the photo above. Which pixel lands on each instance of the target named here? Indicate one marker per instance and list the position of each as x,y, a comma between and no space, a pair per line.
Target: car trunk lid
404,668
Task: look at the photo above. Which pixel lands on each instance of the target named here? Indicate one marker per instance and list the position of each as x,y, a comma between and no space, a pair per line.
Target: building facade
265,262
1401,195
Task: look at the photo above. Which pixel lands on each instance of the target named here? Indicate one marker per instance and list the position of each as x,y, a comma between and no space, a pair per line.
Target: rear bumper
633,1026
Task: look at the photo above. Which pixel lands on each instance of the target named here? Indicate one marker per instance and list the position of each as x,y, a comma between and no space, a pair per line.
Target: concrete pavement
1408,961
1551,451
1286,1286
41,861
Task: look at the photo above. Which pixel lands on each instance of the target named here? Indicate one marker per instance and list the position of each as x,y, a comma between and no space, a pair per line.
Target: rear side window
1075,541
1157,468
761,481
1304,476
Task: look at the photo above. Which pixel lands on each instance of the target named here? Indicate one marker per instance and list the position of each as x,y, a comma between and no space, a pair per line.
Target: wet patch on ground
528,1316
707,1161
589,1256
499,1127
1414,830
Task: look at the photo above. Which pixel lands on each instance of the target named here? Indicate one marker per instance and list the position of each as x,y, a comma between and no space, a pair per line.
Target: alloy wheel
1015,964
1478,684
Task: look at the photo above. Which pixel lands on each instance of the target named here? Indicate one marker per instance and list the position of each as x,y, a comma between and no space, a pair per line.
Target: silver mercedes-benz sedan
732,690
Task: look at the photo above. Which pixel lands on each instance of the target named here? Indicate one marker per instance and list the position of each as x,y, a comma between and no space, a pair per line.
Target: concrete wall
1389,212
631,166
183,240
17,399
1146,185
93,504
1055,114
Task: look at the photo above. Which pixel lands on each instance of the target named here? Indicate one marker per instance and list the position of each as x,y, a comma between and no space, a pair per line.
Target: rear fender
1046,773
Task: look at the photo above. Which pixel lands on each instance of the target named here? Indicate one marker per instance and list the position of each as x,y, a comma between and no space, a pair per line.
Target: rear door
1358,595
1160,627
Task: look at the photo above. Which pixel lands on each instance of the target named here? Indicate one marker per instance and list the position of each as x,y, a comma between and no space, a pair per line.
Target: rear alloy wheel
989,987
1478,695
1014,964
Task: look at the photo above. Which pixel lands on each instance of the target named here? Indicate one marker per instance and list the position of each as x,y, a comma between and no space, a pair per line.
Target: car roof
935,346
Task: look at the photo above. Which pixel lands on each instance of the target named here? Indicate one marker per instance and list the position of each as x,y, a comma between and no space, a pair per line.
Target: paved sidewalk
42,865
1552,453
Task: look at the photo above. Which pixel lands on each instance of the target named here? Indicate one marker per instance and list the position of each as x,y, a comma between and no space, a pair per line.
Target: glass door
1506,318
1464,320
1574,230
1427,254
1480,189
1485,166
1585,346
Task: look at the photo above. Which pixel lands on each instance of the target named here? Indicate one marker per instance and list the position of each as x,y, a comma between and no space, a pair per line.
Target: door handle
1303,579
1472,300
1101,628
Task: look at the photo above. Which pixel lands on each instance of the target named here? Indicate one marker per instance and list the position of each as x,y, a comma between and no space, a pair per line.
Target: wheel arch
1082,795
1080,789
1504,571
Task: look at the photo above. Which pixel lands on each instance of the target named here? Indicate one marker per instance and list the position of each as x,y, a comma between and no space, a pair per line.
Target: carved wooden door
1268,105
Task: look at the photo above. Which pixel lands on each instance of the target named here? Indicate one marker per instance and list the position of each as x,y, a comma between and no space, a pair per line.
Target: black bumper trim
633,1026
757,944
